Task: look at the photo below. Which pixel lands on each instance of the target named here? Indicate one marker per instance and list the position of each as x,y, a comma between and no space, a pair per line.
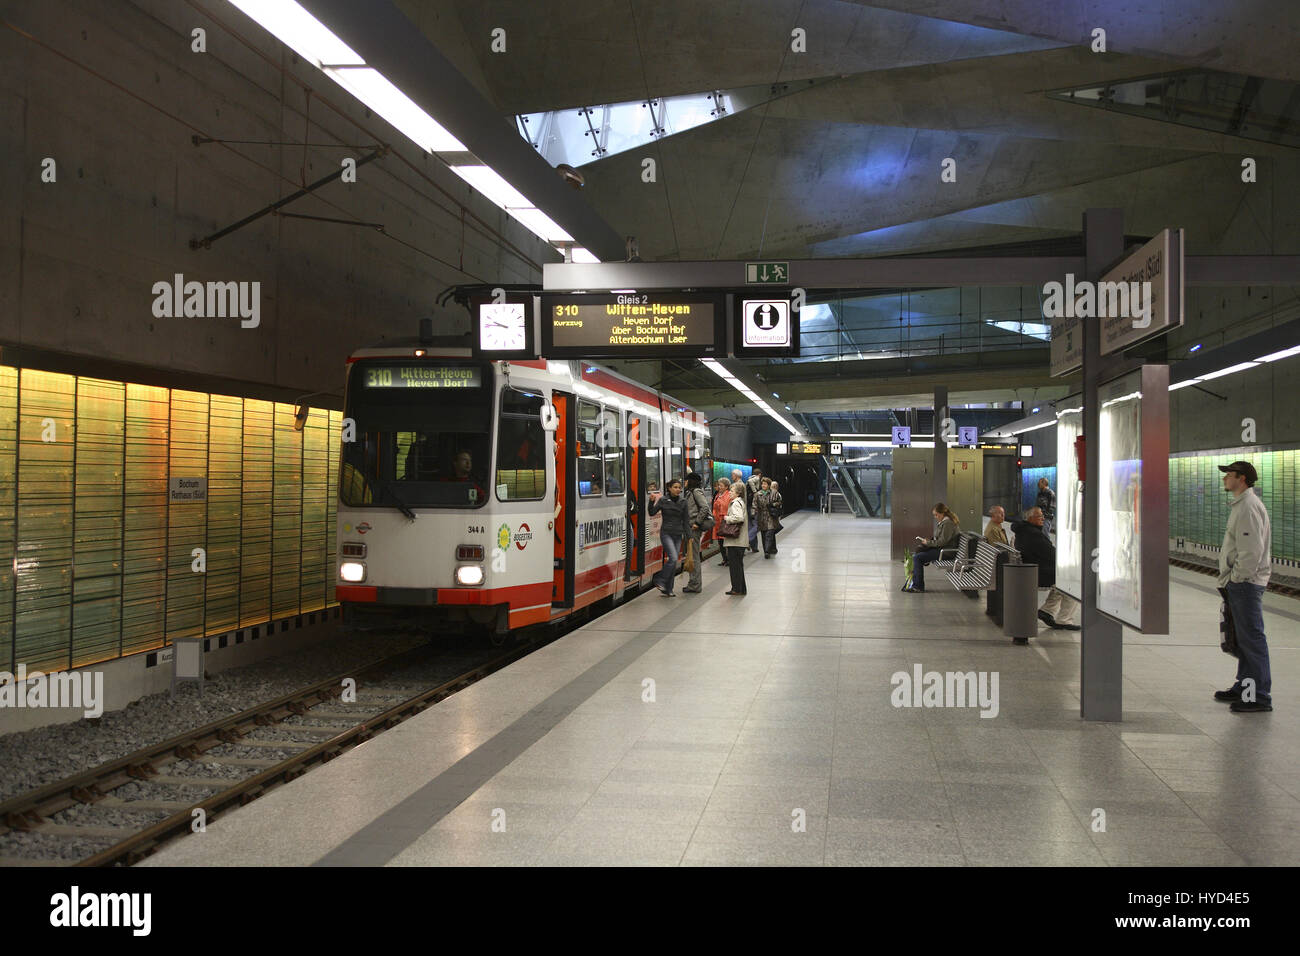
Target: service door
635,471
566,530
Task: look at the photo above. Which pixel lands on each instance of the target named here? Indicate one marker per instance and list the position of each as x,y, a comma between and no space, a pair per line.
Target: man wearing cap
1243,573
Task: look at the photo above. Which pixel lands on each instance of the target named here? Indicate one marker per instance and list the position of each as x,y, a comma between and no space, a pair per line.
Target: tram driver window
612,449
591,474
521,447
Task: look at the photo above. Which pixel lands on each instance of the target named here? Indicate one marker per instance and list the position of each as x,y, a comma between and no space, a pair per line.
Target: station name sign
634,325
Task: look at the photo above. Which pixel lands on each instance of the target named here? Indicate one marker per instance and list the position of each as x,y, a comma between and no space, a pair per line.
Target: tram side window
653,441
612,448
675,469
521,447
591,476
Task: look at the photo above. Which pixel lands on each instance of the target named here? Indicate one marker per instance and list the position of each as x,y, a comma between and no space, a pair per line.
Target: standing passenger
753,487
737,518
699,518
774,504
721,502
1244,570
671,532
1046,502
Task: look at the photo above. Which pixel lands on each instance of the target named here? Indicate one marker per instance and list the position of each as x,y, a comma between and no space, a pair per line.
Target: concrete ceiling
850,166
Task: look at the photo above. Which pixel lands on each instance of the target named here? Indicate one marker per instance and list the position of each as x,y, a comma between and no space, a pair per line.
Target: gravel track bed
44,846
32,758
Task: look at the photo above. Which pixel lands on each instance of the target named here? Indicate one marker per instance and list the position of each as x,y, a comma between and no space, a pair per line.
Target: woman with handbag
721,502
736,542
699,519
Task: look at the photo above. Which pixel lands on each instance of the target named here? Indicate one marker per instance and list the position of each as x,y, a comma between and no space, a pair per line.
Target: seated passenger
994,533
928,550
1036,547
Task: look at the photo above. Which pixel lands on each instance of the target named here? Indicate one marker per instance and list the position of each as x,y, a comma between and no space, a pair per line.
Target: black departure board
634,325
421,376
807,448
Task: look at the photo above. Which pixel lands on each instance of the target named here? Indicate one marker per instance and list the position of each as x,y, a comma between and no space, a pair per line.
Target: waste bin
1020,602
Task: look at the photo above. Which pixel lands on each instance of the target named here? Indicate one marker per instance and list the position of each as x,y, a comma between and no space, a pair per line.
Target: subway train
487,496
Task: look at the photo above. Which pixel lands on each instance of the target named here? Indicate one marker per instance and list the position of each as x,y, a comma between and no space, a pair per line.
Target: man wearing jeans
1243,572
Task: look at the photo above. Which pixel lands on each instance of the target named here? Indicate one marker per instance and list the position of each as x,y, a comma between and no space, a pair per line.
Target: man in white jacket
1244,568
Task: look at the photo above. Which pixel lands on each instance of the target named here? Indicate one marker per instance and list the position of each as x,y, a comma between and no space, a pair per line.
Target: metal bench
973,563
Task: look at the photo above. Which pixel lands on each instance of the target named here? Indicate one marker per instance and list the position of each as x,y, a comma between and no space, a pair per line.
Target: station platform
775,709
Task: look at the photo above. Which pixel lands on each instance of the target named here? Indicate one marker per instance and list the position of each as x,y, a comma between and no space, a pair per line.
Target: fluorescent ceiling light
580,254
713,366
373,88
491,184
539,224
300,31
1285,353
1178,385
1229,370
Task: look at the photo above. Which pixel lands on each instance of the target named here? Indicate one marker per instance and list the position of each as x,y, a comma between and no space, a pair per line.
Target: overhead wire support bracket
207,241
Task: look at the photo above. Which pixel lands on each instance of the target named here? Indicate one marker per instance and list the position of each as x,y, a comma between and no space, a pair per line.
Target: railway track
233,760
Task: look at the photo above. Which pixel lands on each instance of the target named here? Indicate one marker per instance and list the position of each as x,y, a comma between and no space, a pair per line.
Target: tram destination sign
634,325
422,376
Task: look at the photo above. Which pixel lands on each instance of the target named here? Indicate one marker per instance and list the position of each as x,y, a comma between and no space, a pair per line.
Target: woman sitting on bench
946,533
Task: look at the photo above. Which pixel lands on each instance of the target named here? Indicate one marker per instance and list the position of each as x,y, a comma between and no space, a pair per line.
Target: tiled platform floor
777,707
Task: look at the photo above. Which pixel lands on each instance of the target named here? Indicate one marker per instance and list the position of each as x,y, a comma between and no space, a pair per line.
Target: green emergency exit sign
758,273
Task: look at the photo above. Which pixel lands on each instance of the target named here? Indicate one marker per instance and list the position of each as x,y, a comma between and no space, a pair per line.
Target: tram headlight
353,571
469,575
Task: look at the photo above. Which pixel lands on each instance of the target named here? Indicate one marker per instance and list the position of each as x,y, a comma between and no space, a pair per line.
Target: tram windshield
422,435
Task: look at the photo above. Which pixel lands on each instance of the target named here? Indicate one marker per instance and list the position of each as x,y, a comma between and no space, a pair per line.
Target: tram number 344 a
476,529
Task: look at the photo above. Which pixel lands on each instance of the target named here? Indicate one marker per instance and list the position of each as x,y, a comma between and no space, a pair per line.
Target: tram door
566,529
635,471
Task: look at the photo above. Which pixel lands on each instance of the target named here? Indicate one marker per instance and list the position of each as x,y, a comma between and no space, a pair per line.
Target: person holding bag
736,542
699,519
721,502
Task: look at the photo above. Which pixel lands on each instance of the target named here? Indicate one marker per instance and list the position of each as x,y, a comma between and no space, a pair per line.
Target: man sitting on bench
1036,547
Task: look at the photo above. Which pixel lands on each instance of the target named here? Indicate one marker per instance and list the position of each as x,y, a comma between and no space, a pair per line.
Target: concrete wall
78,257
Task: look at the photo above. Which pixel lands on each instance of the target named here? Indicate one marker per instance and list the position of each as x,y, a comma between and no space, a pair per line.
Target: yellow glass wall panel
255,532
144,539
97,560
8,499
97,529
43,547
186,520
225,462
286,515
317,484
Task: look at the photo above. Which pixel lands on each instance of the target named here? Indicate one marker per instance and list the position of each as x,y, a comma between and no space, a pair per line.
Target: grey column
1102,639
940,486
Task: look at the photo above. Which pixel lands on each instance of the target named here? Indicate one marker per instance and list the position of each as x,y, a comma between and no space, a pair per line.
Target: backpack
706,509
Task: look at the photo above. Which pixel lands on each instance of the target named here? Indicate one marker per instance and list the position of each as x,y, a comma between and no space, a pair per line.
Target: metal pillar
1102,639
940,485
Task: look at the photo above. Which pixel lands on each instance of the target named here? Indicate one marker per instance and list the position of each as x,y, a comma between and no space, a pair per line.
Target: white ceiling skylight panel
588,133
297,29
